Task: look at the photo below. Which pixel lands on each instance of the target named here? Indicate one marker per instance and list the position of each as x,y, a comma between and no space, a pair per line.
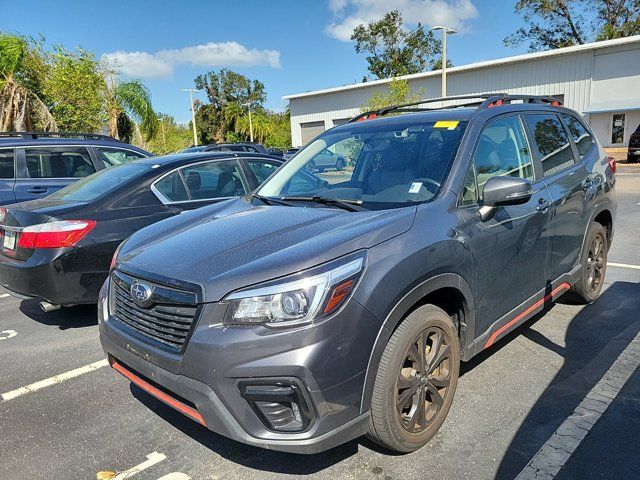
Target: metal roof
479,65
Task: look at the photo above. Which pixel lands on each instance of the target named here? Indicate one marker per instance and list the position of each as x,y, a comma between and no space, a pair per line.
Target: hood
235,244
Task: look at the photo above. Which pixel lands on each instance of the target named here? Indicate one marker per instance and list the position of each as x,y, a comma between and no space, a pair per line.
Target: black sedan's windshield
380,165
101,183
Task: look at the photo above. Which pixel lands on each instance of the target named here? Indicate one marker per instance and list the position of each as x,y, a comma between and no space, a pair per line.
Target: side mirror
504,191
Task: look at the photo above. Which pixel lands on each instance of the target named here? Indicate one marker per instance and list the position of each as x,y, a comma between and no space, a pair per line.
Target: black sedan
58,249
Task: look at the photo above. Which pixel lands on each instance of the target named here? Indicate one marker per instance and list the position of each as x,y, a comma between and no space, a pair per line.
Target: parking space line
54,380
4,295
555,453
152,459
623,265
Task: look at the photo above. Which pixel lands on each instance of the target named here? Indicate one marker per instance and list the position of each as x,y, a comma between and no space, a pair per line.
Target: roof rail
36,135
481,100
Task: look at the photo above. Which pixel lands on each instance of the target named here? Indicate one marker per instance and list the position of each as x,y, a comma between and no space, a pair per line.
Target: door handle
37,190
543,204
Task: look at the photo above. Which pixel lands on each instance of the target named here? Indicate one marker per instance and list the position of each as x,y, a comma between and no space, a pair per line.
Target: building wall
583,78
602,124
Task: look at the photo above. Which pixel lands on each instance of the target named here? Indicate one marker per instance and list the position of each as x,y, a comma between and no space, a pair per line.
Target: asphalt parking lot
510,411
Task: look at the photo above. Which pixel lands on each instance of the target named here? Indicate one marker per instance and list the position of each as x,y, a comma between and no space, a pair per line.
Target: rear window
102,183
59,162
6,163
581,136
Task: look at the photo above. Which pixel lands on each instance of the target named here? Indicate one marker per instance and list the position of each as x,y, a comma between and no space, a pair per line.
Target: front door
510,250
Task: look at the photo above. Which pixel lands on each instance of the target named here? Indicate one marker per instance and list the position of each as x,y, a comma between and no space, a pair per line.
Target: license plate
9,241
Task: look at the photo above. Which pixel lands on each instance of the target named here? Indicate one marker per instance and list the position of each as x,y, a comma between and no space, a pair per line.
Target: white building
600,80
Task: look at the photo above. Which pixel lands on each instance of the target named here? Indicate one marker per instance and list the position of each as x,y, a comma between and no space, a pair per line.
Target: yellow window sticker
448,124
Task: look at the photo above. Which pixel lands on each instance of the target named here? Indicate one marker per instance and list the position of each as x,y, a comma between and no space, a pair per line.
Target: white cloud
163,62
348,14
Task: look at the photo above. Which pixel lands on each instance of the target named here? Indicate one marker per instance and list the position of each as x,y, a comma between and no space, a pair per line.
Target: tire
631,159
340,164
594,267
392,423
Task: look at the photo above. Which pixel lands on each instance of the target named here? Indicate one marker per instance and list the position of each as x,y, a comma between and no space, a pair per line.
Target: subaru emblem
141,294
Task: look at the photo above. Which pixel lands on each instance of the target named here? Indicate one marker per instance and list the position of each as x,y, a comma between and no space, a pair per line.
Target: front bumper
58,277
327,360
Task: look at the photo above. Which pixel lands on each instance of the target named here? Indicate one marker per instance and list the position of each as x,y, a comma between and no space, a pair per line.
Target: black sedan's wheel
311,167
340,164
594,266
416,381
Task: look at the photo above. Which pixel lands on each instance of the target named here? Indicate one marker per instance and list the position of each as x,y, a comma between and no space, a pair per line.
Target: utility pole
248,104
193,113
445,31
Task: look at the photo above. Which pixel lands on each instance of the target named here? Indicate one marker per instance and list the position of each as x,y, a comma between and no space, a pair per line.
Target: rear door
7,176
44,170
567,179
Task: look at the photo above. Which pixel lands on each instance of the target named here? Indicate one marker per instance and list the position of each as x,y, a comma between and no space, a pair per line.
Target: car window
115,156
502,150
101,183
172,188
551,143
581,136
261,169
6,163
214,180
59,162
470,190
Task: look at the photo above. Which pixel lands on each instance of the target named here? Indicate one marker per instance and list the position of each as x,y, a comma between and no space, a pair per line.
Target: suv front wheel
416,381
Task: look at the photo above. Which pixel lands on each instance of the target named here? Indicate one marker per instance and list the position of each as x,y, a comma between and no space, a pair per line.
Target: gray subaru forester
324,307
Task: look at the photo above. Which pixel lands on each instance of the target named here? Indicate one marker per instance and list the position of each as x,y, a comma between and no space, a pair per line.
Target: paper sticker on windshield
415,187
448,124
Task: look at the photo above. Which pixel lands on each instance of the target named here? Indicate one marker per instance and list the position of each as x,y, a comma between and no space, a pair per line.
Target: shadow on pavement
67,317
594,339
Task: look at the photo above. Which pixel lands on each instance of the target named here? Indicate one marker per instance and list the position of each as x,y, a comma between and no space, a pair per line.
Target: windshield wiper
269,200
345,204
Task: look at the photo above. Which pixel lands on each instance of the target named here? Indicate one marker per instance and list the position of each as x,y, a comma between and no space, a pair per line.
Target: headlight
297,302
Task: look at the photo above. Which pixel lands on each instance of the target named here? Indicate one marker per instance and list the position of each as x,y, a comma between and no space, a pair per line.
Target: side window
115,156
581,136
502,150
172,188
59,162
261,169
6,163
551,142
214,180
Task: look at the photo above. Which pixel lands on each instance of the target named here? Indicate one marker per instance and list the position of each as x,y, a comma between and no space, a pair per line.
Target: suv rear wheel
594,266
416,381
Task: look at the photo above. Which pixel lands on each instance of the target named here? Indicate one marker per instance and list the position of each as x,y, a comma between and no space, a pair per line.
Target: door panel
566,182
510,253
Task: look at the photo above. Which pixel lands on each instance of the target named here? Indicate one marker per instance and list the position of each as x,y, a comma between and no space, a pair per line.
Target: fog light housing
279,403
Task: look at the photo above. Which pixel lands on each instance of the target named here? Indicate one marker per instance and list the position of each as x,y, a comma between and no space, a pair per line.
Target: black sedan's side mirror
504,191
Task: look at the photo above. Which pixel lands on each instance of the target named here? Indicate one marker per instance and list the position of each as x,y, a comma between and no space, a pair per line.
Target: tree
128,103
399,92
74,88
563,23
21,107
227,91
394,51
170,137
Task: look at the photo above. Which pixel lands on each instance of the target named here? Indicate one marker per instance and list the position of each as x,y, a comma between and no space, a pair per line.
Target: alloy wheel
423,381
596,262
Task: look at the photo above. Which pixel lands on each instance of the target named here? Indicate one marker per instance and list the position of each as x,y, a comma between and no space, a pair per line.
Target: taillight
612,164
3,214
61,234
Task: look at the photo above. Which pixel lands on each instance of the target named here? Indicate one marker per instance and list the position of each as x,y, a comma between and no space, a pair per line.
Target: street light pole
248,104
445,31
193,113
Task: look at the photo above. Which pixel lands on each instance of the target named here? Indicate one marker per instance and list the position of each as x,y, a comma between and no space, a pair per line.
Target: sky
291,46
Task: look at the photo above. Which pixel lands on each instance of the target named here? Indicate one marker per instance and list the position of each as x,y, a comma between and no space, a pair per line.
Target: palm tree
129,102
19,106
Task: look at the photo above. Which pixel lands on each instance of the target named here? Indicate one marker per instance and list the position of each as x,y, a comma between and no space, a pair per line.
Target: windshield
101,183
379,164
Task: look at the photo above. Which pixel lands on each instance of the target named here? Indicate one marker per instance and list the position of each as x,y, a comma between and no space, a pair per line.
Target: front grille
166,321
